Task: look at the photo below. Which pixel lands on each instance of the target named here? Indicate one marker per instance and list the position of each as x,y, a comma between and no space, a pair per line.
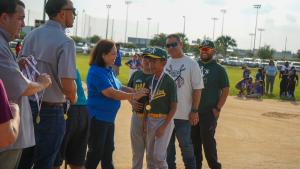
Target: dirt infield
251,134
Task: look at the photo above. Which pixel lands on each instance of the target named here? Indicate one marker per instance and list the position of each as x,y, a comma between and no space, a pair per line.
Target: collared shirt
101,107
55,54
15,85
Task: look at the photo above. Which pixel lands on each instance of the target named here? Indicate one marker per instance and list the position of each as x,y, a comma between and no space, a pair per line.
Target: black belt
49,104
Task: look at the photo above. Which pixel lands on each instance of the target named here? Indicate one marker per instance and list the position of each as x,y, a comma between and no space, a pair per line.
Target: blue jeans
100,145
183,133
49,135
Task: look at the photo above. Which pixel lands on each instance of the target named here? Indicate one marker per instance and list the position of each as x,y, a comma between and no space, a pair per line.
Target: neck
179,55
157,74
59,21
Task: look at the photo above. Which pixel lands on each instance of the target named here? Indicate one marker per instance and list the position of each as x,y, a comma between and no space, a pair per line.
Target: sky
279,19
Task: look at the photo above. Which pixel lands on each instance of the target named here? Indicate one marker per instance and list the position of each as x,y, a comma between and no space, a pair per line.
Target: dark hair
53,7
9,6
174,36
103,47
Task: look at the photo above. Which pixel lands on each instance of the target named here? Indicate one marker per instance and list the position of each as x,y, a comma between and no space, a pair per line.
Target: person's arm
197,85
127,89
221,102
194,117
9,130
121,95
69,89
160,131
43,81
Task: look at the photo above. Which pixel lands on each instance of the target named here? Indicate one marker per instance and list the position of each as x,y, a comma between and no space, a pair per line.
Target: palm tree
223,43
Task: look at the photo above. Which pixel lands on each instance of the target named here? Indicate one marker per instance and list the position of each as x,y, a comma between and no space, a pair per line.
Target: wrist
217,108
194,110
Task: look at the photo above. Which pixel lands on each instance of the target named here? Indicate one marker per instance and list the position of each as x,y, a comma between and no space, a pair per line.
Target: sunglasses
173,45
71,9
206,49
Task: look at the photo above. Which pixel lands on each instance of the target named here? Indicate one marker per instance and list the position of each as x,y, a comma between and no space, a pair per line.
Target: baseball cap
207,44
155,53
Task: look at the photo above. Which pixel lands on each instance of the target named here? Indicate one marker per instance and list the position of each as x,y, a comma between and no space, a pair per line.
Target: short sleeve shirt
5,112
55,54
118,61
215,79
187,76
15,84
165,95
80,92
100,106
138,81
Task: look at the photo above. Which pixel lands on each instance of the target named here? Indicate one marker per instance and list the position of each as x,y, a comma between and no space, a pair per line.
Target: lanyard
153,90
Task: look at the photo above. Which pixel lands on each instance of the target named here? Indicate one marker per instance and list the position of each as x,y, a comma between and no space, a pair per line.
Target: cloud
215,2
291,18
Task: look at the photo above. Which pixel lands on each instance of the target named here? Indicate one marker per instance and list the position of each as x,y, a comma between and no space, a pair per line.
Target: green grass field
234,73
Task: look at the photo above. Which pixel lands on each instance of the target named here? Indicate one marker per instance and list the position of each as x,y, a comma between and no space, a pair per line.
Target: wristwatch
194,110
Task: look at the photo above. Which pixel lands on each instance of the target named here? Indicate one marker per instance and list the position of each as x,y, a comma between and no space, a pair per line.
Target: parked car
13,44
127,52
296,65
264,63
83,48
279,64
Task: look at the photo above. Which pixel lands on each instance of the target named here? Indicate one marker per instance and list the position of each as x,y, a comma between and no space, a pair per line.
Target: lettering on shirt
176,74
159,94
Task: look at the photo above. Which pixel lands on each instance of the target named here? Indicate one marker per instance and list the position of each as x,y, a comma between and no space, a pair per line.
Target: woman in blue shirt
271,72
104,94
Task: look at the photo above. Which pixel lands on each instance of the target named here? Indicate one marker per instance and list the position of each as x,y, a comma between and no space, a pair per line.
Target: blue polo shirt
101,107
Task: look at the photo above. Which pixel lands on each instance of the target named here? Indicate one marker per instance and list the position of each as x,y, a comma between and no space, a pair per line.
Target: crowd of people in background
264,81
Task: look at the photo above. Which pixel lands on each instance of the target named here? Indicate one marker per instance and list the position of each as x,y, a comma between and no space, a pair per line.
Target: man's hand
194,118
44,79
216,113
160,131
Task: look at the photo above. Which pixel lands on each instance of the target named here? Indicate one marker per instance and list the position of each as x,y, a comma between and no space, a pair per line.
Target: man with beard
212,100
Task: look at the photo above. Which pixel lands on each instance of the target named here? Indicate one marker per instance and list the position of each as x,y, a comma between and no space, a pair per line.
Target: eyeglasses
173,45
71,9
206,49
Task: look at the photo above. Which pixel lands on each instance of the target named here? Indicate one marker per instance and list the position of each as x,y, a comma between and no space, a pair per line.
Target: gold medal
148,107
65,116
38,119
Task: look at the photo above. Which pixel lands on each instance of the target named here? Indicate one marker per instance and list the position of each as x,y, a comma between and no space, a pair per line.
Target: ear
4,18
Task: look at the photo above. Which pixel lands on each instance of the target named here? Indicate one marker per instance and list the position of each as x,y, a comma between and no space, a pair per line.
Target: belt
156,116
139,114
49,104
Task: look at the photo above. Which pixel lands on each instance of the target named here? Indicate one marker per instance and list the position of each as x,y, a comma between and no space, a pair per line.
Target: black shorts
74,146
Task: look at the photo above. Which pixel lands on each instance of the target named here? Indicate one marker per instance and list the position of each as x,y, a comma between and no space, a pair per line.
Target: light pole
127,4
257,6
28,16
137,29
183,24
157,28
285,47
76,28
260,32
84,22
149,19
223,11
112,29
214,21
108,6
44,12
251,40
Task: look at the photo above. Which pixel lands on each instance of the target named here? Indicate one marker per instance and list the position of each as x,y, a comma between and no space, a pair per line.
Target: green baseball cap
155,53
208,44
